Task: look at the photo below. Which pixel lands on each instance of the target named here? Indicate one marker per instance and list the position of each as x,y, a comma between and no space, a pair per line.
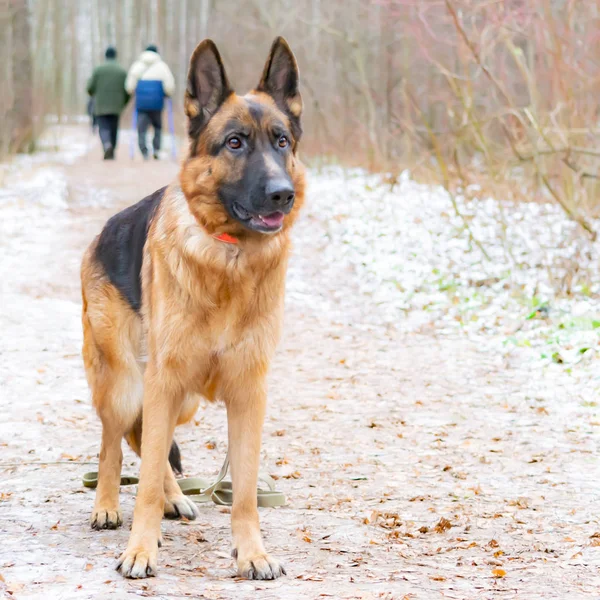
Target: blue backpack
149,95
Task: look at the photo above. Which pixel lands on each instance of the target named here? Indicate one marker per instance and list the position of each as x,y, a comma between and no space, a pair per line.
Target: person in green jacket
107,88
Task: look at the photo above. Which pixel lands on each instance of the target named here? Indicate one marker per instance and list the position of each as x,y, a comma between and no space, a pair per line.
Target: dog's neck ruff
225,237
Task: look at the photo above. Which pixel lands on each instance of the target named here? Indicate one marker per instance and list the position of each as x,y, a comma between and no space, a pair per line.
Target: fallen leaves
387,520
442,525
70,457
498,573
305,535
196,537
520,502
307,577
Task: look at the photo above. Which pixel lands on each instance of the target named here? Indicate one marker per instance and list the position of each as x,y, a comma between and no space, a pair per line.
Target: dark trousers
144,120
108,126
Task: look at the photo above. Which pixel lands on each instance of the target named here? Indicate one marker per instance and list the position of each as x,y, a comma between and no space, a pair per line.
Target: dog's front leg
246,404
162,402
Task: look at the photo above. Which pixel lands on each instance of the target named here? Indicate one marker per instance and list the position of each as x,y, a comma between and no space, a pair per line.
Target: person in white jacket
151,80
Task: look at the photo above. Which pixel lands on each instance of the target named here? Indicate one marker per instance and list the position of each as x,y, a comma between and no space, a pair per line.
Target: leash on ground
202,491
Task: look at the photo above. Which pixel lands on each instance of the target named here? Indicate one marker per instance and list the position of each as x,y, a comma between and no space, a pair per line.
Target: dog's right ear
207,86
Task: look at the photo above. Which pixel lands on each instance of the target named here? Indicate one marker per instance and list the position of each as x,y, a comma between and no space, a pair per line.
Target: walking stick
132,138
171,128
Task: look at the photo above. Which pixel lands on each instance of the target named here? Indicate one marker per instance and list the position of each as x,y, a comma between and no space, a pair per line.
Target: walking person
151,80
107,89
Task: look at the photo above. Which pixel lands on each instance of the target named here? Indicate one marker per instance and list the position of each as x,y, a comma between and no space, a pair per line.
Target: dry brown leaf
386,520
520,502
498,573
493,543
372,517
438,578
70,456
55,526
309,577
442,525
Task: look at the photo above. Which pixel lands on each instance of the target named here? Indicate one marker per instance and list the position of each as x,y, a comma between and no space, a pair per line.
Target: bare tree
20,115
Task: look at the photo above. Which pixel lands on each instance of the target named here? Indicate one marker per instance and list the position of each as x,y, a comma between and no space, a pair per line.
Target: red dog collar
225,237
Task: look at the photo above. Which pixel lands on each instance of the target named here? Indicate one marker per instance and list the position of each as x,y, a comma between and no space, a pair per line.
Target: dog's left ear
280,80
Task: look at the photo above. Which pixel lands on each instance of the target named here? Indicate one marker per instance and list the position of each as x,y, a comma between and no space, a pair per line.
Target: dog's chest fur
220,302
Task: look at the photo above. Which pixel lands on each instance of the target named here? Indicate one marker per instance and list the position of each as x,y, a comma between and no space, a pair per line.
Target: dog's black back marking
120,248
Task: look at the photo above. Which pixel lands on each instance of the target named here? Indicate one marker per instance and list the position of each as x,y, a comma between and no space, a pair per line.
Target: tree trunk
21,113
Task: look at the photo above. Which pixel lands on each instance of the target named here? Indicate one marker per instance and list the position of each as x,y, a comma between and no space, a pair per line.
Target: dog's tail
134,439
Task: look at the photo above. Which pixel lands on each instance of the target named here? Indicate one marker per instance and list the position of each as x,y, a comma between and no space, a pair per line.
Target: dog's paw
259,566
106,519
180,506
138,562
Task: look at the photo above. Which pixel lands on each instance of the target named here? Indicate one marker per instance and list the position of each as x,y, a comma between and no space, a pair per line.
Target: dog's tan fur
210,319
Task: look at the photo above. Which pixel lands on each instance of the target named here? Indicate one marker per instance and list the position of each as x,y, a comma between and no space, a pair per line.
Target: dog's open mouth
268,223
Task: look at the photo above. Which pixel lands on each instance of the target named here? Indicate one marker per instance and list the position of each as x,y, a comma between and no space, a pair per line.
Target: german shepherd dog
183,298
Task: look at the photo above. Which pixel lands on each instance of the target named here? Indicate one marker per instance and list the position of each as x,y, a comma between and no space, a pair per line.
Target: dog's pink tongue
273,220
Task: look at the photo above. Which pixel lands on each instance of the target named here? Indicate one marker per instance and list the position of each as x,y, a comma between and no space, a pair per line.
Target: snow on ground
529,286
522,279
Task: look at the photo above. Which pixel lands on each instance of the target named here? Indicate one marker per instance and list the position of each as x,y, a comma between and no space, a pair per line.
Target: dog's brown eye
234,143
283,142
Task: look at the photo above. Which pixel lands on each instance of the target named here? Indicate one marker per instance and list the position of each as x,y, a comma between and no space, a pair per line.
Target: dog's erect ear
280,80
207,86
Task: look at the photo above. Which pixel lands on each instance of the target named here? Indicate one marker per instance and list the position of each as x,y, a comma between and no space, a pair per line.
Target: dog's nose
279,191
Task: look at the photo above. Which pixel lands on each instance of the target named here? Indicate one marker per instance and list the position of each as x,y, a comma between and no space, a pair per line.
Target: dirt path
415,466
